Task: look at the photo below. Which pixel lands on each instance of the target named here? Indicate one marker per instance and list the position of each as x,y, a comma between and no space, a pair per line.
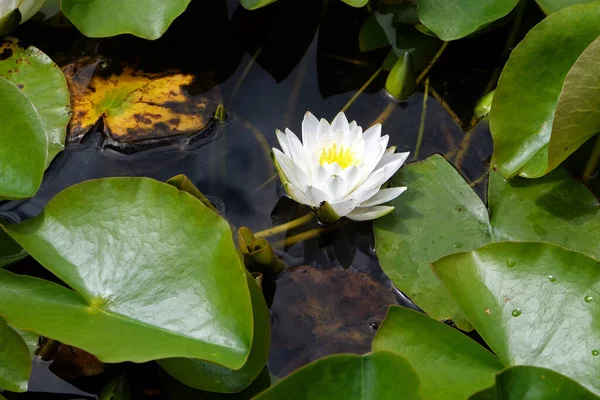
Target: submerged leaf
148,19
380,375
450,365
154,274
528,93
136,105
15,360
23,144
44,85
533,304
554,209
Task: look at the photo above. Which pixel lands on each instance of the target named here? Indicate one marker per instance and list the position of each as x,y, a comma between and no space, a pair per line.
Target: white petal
373,133
323,129
340,122
283,142
391,167
351,176
390,150
317,195
388,158
292,172
298,195
353,125
369,213
296,148
319,174
343,208
309,135
383,196
336,187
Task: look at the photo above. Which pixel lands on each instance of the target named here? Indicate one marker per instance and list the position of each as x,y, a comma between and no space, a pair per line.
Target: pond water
268,68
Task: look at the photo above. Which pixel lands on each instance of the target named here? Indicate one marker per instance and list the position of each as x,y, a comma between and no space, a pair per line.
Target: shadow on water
334,296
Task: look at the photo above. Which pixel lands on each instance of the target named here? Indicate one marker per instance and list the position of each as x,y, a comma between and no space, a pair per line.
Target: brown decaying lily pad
318,312
136,105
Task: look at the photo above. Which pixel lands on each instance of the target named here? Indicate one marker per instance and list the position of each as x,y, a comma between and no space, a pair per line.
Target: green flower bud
402,80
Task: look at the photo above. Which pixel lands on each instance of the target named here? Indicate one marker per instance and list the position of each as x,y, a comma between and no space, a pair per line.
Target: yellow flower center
344,157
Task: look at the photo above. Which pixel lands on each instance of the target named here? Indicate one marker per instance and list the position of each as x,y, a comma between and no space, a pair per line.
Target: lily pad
449,364
553,209
154,274
10,251
215,378
45,86
550,6
23,144
577,116
381,375
525,103
533,303
532,383
455,19
15,360
147,19
136,105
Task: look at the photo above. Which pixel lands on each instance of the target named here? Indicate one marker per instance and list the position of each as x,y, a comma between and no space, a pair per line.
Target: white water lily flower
26,9
337,169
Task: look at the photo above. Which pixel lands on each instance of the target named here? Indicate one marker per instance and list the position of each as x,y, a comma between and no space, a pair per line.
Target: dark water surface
334,296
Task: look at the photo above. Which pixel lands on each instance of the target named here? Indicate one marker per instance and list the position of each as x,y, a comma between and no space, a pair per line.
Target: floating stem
302,236
435,58
422,124
362,89
591,167
285,227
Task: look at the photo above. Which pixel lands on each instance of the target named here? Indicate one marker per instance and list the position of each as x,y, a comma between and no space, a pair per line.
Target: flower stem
285,227
302,236
48,349
362,89
592,164
422,124
446,107
432,62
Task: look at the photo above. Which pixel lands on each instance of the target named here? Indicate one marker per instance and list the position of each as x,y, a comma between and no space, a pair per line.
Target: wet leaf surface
23,155
138,254
530,87
532,383
44,84
533,303
380,375
553,209
450,365
148,19
577,115
135,105
214,378
455,19
318,312
15,359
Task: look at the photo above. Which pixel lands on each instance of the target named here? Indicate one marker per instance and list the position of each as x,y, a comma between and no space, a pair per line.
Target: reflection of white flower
27,9
337,169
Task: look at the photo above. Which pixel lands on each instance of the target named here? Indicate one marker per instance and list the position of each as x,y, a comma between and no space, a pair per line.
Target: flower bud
258,254
402,80
484,105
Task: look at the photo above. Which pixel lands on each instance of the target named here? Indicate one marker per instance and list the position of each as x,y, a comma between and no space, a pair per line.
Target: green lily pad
550,6
532,383
533,303
455,19
10,251
147,19
356,3
440,214
154,274
15,360
215,378
381,375
529,90
577,116
23,144
44,85
449,364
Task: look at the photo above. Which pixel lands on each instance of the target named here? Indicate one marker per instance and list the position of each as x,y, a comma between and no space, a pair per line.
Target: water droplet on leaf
510,263
516,312
551,278
457,245
595,352
588,299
